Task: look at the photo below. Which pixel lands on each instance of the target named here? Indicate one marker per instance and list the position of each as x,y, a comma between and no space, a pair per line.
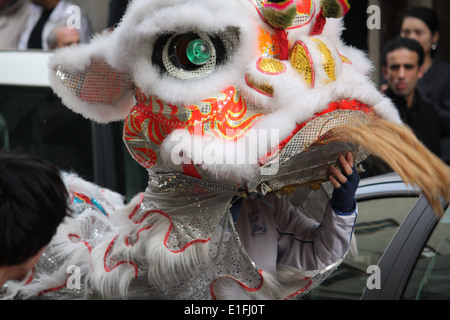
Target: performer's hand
345,184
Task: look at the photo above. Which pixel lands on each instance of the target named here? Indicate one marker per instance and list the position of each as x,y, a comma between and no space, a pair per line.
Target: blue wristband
343,198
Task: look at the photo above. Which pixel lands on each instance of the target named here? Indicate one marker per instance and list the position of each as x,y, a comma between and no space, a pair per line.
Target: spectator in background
62,36
402,67
33,202
116,10
44,15
13,18
422,24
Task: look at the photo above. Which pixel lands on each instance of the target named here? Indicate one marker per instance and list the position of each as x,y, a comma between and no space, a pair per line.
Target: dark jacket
435,85
422,117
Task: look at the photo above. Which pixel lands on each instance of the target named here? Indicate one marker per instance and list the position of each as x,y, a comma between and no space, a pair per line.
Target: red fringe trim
318,25
284,44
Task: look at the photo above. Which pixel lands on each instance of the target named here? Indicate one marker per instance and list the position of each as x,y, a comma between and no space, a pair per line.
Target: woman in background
422,25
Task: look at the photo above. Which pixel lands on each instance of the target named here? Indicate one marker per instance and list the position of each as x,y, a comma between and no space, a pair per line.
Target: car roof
385,185
24,68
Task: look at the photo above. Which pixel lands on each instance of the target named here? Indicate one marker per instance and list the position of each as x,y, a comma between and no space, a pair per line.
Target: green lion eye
198,52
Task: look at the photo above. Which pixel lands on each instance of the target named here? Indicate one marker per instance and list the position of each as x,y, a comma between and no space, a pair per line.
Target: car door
384,202
403,253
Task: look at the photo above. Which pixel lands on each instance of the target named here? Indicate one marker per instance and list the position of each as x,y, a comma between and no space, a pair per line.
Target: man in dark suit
116,10
402,68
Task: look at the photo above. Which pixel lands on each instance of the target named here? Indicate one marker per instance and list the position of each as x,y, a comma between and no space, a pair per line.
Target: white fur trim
77,60
145,21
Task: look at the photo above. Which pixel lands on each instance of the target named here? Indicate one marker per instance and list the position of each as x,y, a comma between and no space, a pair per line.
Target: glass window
377,223
430,279
34,120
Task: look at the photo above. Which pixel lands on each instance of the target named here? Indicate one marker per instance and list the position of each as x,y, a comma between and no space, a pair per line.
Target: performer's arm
305,244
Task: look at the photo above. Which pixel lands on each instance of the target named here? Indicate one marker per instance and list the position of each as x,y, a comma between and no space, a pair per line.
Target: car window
33,119
430,279
377,222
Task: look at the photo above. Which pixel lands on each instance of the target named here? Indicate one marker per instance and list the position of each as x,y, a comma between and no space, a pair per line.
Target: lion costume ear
88,84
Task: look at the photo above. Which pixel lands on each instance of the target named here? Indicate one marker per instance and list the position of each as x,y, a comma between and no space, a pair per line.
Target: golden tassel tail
398,146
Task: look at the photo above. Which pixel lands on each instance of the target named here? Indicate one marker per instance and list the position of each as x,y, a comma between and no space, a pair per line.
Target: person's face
19,272
416,29
46,4
67,37
402,71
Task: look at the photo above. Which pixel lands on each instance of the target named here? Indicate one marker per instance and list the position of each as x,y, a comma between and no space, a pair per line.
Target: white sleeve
307,245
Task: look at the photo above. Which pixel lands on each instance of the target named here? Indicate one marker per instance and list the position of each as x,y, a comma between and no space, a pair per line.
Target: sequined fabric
302,62
98,83
307,155
261,87
180,219
51,278
270,66
327,60
226,116
200,218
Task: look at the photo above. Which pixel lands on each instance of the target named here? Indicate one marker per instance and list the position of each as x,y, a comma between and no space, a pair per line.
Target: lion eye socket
193,54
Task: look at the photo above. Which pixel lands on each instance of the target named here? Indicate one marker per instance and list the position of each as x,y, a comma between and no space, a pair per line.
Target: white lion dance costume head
220,99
